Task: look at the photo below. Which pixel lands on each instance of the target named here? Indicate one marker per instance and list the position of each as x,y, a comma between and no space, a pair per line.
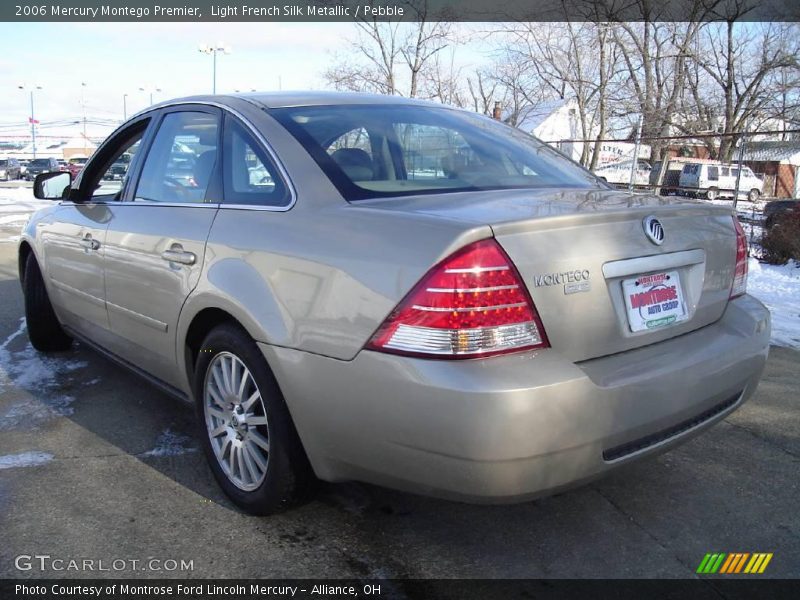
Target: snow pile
778,287
24,459
170,444
39,375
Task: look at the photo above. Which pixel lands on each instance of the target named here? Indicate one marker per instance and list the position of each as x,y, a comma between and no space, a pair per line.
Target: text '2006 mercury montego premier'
357,287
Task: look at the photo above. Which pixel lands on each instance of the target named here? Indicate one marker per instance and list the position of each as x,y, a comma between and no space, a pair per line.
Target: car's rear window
3,163
372,151
40,162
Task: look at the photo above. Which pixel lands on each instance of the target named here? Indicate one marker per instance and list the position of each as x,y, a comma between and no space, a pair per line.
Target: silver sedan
356,287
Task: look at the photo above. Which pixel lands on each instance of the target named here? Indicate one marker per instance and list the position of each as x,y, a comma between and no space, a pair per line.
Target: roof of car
308,98
321,98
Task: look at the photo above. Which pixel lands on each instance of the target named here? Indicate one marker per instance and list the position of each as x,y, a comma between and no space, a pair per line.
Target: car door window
107,173
115,175
713,173
249,176
182,159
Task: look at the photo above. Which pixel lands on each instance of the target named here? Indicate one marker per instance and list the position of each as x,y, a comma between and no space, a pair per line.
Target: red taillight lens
740,274
473,303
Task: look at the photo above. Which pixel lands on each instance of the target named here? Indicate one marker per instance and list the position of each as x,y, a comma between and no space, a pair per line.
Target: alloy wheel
236,421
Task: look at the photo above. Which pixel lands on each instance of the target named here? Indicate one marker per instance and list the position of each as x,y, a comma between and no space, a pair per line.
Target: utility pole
635,162
739,171
83,106
32,118
124,107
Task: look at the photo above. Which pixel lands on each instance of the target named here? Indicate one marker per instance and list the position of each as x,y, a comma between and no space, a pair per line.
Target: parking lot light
213,50
150,89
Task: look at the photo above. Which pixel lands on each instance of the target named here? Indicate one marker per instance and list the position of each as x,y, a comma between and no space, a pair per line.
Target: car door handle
179,256
90,244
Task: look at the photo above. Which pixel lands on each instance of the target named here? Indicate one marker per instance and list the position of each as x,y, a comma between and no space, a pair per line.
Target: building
779,163
78,147
557,122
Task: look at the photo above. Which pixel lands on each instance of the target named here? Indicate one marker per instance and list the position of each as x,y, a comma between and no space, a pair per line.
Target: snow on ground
20,200
778,287
24,459
170,443
16,206
42,377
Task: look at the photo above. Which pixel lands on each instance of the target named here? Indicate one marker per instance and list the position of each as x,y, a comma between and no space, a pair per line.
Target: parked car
619,173
717,180
9,169
502,328
74,165
118,168
774,210
41,165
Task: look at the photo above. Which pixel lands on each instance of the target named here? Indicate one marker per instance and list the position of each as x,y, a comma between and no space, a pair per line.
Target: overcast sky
113,59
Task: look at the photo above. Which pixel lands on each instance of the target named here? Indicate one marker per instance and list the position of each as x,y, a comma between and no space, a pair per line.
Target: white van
619,173
715,180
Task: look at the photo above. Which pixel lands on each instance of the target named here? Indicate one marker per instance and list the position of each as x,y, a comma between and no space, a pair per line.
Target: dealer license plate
654,301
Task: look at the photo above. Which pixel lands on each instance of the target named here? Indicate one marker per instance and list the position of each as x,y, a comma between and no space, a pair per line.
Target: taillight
473,303
740,273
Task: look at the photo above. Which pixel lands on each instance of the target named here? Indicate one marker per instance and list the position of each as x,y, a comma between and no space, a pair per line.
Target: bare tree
746,75
571,61
655,55
392,57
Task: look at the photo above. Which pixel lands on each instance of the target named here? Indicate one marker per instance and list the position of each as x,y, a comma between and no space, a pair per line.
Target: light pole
208,49
32,118
151,90
83,106
124,107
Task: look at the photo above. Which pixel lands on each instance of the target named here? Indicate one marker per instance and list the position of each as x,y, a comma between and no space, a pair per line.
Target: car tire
44,330
261,481
712,193
753,195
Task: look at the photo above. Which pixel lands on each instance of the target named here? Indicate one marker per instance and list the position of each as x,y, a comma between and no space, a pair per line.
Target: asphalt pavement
97,465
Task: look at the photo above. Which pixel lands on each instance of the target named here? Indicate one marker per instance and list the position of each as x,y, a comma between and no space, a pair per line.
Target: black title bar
399,10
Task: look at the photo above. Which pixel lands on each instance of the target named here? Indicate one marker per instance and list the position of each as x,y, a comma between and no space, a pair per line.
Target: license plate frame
654,301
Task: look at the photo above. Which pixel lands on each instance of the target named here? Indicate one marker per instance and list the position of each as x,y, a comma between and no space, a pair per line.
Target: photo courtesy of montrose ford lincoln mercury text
358,287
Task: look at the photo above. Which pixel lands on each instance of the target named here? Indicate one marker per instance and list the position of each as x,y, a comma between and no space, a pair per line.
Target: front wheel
712,193
753,195
44,330
247,431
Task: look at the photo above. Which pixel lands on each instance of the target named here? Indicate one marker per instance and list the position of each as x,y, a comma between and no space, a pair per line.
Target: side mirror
52,186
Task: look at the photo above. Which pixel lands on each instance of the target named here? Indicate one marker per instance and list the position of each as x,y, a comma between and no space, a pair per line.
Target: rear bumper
514,427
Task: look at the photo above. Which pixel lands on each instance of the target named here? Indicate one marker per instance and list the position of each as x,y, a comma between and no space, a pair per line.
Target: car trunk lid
582,253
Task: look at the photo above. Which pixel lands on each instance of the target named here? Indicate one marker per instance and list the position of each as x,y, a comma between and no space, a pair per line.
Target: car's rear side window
249,175
371,151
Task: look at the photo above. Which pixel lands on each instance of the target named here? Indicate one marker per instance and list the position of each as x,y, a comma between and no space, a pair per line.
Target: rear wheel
44,330
712,193
247,431
753,195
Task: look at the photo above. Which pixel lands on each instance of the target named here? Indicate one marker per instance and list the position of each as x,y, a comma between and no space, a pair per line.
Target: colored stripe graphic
723,563
726,566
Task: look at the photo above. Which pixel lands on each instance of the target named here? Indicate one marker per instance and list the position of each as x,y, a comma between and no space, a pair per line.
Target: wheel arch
199,327
25,250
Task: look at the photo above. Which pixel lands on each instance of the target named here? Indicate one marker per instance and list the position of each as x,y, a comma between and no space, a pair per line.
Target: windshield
372,151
